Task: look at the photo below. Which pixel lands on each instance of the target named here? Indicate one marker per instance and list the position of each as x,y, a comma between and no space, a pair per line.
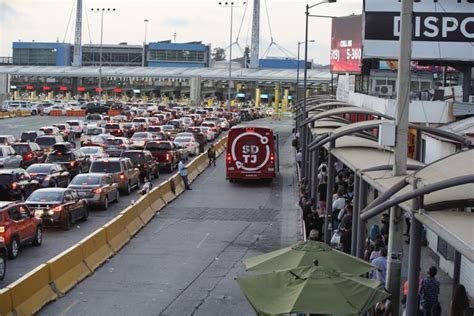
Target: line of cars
58,184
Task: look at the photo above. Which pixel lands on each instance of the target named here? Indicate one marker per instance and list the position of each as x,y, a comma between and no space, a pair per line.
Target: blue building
167,54
42,53
282,63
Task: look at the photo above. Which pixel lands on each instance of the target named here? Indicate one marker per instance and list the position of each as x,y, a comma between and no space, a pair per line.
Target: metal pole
456,270
395,244
298,74
304,143
100,51
355,214
144,44
361,226
313,173
329,192
414,257
230,58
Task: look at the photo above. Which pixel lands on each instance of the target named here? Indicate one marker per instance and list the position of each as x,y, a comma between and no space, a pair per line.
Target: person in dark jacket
211,155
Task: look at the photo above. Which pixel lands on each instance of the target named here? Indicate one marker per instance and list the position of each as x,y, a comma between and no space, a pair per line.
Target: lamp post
231,5
303,131
144,43
101,11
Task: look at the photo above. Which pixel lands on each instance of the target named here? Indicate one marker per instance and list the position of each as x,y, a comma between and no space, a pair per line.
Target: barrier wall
57,276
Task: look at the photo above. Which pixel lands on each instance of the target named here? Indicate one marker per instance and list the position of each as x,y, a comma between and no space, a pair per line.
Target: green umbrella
311,289
303,254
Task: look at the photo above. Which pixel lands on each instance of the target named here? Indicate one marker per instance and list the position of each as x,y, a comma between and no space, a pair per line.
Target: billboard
442,29
346,44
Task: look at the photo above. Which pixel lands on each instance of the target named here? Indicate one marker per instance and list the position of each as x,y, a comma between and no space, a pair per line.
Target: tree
218,54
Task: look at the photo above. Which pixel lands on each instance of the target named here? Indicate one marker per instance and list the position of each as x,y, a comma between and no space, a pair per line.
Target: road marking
202,240
74,303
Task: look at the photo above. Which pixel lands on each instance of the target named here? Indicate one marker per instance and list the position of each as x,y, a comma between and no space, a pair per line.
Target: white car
77,126
192,146
9,159
47,110
94,152
184,134
91,130
210,134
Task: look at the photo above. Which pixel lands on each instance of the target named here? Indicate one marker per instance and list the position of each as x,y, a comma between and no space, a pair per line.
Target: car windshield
182,140
37,168
61,127
45,141
167,127
45,196
97,139
114,141
134,156
73,123
112,126
85,179
106,166
90,150
154,129
28,137
3,139
140,135
158,146
94,131
60,157
6,178
21,148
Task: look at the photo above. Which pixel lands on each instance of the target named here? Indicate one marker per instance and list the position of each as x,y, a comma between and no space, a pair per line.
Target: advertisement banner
346,44
442,29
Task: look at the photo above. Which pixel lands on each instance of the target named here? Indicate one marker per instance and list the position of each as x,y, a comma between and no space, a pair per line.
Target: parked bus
251,154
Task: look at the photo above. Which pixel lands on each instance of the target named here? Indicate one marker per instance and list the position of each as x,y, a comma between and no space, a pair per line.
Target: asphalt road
185,260
56,240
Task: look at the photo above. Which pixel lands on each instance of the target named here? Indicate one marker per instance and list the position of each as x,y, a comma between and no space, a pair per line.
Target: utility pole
395,244
144,43
255,44
77,59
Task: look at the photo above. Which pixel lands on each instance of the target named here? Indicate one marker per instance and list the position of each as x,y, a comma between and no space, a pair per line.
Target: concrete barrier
32,291
95,249
193,171
117,233
156,199
131,216
6,305
166,192
179,184
67,269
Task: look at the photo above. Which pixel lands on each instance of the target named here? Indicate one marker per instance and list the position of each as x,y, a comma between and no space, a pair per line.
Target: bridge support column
4,87
195,92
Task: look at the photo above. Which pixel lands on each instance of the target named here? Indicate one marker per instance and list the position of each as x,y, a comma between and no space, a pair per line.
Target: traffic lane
185,260
57,240
17,125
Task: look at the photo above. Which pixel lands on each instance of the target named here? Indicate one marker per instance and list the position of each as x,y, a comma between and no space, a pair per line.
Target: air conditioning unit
385,90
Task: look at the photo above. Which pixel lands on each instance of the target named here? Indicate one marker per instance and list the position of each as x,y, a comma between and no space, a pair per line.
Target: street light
303,131
101,11
231,5
144,43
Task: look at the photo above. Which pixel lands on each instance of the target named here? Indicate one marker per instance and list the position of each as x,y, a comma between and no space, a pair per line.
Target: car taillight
272,157
28,156
14,185
122,176
97,190
229,157
58,208
168,157
72,163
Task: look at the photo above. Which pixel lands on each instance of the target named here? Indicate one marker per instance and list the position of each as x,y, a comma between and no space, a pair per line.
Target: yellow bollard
285,102
209,102
277,101
257,97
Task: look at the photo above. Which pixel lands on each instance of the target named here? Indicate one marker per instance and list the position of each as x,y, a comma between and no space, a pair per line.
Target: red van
251,153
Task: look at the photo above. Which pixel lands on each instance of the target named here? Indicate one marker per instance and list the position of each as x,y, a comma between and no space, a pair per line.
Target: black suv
30,136
97,108
144,161
16,184
74,160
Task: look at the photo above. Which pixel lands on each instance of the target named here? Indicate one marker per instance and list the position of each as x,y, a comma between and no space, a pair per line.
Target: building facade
167,54
42,53
112,55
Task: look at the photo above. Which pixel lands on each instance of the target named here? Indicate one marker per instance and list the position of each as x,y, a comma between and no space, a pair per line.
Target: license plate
82,194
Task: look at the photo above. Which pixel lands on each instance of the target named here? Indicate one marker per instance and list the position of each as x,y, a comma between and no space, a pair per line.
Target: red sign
118,90
46,88
29,87
63,88
99,89
81,89
346,44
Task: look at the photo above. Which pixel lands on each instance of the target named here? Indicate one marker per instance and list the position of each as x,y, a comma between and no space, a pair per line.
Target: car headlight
50,212
38,213
2,240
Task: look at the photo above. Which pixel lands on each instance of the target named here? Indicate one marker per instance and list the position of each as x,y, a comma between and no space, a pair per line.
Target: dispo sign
442,29
250,151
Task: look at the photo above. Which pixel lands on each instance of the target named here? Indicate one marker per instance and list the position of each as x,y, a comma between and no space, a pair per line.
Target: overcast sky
197,20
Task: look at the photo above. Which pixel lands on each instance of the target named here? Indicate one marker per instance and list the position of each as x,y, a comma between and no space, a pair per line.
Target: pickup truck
165,153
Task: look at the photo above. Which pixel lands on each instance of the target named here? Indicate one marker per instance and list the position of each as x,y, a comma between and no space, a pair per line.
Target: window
445,249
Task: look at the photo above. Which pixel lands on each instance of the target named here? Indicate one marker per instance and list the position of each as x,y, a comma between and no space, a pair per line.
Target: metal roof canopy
345,110
281,75
328,104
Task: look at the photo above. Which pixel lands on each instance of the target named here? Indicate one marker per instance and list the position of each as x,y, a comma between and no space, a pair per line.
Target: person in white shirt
299,157
338,204
183,172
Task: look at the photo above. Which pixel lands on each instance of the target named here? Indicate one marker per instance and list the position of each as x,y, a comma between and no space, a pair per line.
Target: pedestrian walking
183,172
211,155
380,273
429,291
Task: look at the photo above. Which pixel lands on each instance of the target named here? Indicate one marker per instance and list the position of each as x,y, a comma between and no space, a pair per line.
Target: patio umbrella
311,289
303,254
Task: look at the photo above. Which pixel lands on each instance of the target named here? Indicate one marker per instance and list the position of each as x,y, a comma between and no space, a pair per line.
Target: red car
19,226
114,129
31,153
